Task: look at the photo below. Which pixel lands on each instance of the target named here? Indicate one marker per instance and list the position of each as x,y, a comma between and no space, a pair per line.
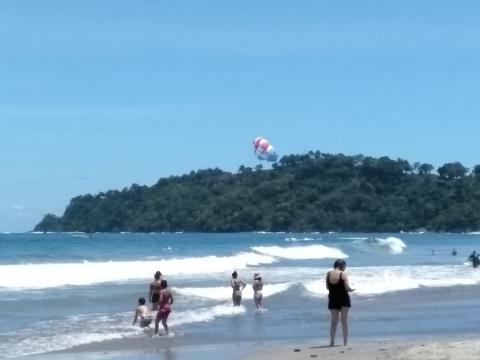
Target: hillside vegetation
312,192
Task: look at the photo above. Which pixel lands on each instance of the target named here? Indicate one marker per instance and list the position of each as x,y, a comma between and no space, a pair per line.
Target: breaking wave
301,252
222,293
40,276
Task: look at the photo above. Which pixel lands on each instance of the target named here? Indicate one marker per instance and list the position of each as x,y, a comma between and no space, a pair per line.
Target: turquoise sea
60,290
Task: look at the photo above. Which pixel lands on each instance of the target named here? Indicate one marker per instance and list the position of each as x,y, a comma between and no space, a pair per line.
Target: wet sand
453,348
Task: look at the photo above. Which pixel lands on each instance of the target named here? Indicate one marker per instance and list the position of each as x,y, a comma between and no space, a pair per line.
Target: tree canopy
311,192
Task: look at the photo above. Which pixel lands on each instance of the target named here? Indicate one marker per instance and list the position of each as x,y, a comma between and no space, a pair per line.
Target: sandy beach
457,348
467,349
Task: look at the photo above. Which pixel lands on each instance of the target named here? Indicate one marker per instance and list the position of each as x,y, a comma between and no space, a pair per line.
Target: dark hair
163,284
340,264
234,274
141,301
157,275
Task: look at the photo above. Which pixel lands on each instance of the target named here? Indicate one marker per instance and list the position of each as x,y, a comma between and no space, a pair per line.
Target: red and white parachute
264,150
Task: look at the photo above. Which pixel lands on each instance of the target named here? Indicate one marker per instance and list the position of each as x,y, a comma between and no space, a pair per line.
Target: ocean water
58,291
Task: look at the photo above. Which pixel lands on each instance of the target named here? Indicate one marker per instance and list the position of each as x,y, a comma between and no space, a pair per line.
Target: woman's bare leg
333,325
165,326
344,319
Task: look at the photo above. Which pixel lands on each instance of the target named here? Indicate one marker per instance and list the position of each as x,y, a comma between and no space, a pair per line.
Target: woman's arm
327,284
347,283
151,293
136,316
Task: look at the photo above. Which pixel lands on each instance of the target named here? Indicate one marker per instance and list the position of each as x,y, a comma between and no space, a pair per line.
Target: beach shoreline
452,347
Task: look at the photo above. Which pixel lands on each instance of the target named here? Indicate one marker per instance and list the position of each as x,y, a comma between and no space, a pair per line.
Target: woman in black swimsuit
338,299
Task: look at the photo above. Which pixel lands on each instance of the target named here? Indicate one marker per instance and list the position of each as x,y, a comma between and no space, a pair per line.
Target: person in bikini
155,288
143,313
257,290
164,306
338,299
237,287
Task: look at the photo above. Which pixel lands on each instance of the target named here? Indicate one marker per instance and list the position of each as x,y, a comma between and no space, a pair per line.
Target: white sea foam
222,293
301,252
382,279
62,334
205,314
76,330
391,244
37,345
39,276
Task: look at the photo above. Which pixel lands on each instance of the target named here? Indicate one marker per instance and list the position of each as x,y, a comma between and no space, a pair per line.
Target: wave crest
301,252
222,293
40,276
391,244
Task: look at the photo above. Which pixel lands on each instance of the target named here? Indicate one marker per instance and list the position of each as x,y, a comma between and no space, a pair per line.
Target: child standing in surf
257,290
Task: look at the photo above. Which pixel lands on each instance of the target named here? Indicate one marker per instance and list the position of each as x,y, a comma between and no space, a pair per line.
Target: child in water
143,312
257,290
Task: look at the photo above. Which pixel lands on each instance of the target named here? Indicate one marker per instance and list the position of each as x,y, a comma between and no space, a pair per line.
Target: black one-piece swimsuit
338,296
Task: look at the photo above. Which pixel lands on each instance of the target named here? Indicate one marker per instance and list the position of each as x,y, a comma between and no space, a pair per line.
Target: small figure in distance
433,252
454,252
144,314
257,290
473,258
338,288
237,286
155,288
164,309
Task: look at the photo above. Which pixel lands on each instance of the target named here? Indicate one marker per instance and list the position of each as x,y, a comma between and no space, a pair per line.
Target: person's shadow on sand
323,347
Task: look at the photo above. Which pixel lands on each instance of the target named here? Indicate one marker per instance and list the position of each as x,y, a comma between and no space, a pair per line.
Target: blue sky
97,95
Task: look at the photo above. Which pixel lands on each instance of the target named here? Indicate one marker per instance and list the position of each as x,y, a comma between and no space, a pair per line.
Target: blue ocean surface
60,290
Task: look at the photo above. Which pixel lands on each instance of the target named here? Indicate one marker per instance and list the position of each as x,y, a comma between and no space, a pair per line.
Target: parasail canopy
264,150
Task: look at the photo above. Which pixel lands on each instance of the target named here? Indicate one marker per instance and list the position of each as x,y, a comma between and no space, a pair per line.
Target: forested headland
301,193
